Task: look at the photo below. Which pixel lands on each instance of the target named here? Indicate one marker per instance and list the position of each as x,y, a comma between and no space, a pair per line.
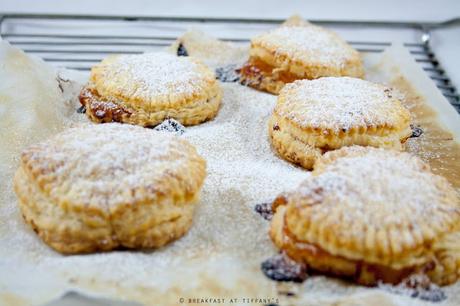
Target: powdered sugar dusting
382,189
308,43
221,254
155,75
100,163
228,239
339,104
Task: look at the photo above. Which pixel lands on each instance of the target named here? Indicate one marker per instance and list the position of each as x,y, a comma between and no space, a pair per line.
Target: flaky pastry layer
100,187
313,117
276,58
100,109
148,88
304,148
345,222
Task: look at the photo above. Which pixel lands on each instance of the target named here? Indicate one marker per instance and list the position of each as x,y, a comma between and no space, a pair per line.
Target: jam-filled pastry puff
298,50
100,187
146,89
315,116
371,215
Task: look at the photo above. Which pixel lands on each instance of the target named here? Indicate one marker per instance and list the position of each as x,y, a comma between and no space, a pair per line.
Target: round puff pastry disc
315,116
100,187
148,88
371,215
298,50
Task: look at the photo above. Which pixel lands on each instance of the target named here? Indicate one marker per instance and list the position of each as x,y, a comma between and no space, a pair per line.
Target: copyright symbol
181,300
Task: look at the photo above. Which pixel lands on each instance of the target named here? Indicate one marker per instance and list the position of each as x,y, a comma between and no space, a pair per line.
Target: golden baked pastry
315,116
99,187
371,215
148,88
298,50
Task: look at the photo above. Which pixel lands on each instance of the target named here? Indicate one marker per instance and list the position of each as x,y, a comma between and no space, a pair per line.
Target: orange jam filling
363,272
256,68
101,109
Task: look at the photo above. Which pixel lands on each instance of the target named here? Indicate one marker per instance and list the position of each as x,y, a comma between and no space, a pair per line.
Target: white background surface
446,43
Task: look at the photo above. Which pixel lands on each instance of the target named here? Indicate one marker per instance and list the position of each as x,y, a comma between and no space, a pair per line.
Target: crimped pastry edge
178,99
361,271
304,148
113,110
72,231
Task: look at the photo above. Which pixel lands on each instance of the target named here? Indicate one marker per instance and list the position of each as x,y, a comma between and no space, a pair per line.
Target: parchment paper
219,259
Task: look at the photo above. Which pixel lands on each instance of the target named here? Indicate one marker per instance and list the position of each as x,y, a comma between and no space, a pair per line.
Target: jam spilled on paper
417,286
228,74
181,51
416,131
264,210
283,269
171,126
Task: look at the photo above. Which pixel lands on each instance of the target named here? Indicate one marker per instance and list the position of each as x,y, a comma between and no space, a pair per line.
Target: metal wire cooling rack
79,41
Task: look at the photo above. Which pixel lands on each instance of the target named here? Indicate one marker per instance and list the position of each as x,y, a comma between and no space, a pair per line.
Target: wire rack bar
79,50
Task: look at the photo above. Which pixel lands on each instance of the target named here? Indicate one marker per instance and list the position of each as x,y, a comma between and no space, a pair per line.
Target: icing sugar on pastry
98,187
340,104
384,189
371,214
128,154
307,43
298,50
315,116
149,75
146,89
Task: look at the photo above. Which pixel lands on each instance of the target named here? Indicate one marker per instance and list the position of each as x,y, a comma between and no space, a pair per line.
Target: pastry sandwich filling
293,52
319,259
255,70
103,109
109,186
146,89
372,215
315,116
329,140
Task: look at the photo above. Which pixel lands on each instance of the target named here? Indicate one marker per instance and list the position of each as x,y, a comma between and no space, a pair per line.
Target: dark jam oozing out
388,93
283,269
250,75
424,289
172,126
417,286
81,109
416,131
228,74
100,109
287,293
181,51
265,210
